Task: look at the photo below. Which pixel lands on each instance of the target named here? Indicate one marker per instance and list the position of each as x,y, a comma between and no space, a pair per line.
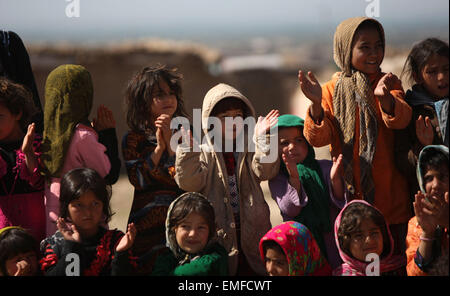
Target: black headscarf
15,65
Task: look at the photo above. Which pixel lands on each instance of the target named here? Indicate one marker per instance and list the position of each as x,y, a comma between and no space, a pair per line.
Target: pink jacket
84,151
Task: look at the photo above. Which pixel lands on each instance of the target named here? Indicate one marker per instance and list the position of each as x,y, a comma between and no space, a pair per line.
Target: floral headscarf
302,252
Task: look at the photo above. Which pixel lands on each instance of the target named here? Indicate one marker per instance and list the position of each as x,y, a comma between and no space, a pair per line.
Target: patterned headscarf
302,252
353,90
68,102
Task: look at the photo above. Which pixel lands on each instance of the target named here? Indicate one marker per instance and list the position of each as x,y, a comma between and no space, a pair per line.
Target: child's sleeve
54,262
108,138
92,153
265,162
165,264
141,170
191,170
35,179
287,197
412,244
202,266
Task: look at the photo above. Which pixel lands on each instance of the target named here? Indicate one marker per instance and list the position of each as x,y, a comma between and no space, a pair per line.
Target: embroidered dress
154,190
97,255
21,192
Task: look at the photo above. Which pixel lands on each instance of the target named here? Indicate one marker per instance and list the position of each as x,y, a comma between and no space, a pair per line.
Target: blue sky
103,19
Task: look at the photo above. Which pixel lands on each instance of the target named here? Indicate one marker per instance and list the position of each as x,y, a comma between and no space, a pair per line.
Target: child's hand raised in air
313,91
336,174
27,148
424,130
383,92
264,124
291,166
104,120
128,239
69,232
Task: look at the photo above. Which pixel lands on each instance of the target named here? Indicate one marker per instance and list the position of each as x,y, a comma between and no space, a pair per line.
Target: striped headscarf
353,90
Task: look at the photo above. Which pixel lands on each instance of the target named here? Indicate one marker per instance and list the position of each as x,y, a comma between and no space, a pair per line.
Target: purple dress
291,203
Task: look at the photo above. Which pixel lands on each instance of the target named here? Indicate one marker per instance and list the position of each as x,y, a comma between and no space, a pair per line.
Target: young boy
231,179
428,231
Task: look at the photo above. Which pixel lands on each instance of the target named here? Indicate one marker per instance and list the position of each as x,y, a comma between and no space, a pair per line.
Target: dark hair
230,103
419,55
192,202
138,95
13,242
351,220
77,182
433,159
16,98
270,244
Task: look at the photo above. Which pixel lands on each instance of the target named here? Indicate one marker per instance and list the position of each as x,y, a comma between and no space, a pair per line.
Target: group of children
201,210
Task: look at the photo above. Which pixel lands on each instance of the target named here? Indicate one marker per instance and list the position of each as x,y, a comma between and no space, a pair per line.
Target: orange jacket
412,244
391,188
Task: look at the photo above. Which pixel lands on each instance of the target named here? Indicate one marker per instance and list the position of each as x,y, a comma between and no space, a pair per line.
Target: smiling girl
191,237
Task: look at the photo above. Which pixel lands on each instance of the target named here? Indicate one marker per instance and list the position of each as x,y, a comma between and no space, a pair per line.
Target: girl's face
86,213
9,125
276,263
436,181
367,51
368,239
164,100
292,143
192,233
26,262
434,76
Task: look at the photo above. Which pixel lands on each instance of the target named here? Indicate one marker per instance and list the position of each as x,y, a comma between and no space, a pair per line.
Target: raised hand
337,170
424,130
69,232
441,209
385,85
310,87
163,124
128,239
27,144
291,166
264,124
104,120
27,148
424,210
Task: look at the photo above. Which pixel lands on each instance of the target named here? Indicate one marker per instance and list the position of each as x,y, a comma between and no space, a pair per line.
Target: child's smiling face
192,233
434,76
367,50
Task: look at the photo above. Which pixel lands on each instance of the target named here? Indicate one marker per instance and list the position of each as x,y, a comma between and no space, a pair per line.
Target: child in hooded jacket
230,179
356,113
191,238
